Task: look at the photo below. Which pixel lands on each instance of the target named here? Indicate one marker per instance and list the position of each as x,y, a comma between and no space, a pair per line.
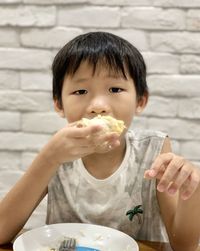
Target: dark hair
99,47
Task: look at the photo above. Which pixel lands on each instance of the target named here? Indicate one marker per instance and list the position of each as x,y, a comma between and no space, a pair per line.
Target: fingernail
161,188
185,196
152,173
146,176
172,190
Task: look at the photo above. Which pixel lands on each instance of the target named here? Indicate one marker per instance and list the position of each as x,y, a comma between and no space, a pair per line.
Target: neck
102,166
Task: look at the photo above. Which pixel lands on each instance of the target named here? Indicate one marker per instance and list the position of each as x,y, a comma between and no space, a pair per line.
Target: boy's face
86,95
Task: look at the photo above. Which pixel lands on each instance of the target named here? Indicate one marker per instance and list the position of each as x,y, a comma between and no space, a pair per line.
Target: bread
109,123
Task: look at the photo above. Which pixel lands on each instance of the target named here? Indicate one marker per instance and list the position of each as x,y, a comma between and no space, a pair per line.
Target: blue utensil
80,248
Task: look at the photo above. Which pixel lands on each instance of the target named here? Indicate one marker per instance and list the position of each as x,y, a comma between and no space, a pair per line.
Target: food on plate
88,238
109,123
67,244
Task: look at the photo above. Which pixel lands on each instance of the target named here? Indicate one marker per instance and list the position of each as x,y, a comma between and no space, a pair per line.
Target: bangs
97,52
99,49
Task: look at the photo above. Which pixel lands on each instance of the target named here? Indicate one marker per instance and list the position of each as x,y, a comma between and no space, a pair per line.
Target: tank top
124,201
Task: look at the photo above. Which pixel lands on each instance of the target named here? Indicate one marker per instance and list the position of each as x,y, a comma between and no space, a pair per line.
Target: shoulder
146,144
142,135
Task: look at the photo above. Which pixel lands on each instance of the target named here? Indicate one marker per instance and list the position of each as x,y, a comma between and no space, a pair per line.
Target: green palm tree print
137,210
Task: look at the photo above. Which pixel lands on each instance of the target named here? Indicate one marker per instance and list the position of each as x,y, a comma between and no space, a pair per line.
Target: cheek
128,117
72,111
72,115
129,112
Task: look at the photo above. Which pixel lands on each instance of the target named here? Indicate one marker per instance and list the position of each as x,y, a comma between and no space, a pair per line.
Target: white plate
95,236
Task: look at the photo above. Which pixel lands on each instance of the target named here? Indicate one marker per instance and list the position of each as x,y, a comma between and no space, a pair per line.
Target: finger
108,138
104,143
73,124
183,174
82,152
80,148
107,146
150,174
171,173
160,161
192,185
103,148
83,132
91,149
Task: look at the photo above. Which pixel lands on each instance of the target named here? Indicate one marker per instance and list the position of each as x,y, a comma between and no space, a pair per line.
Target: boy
101,74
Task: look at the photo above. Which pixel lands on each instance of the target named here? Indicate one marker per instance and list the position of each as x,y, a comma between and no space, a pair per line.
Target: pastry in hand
108,123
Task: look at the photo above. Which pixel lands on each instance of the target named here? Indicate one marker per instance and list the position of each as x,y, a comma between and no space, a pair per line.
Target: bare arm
66,145
19,203
179,208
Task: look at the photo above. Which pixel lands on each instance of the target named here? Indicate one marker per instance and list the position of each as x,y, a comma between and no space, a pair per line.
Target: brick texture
32,31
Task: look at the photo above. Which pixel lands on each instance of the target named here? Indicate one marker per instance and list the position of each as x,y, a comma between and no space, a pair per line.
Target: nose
99,105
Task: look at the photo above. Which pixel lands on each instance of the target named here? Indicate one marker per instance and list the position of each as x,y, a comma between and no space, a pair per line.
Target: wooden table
143,245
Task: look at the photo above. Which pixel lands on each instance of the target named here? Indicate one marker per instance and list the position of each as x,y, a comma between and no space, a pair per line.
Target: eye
80,92
115,89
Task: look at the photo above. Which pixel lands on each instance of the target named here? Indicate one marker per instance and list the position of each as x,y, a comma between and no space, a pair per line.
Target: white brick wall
31,31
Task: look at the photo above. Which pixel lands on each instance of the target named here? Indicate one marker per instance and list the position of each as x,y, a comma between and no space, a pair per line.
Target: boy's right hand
72,142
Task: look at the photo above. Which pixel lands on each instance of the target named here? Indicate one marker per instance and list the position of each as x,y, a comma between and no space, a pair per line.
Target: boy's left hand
174,173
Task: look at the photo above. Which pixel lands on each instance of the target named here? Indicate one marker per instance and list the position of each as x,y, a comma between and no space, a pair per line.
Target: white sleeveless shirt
74,195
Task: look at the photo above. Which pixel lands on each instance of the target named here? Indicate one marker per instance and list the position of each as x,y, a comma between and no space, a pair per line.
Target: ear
58,108
141,103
